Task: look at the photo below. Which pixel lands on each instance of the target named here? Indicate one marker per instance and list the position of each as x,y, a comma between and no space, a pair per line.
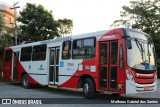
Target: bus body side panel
71,81
22,71
121,71
37,75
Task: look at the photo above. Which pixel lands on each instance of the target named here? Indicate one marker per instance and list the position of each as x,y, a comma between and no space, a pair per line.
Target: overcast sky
87,15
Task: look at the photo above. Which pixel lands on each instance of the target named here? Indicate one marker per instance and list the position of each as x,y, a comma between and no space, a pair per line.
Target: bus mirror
129,44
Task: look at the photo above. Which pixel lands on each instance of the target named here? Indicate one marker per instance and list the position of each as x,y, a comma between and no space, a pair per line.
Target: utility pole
15,24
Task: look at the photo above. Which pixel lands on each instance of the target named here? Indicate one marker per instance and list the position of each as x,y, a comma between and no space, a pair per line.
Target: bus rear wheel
25,81
89,88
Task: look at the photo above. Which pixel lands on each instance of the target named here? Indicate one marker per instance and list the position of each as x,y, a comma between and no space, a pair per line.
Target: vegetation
37,23
144,16
65,27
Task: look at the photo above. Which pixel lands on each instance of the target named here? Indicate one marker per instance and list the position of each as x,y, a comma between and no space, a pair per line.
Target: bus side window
66,50
39,52
8,55
121,57
84,48
26,53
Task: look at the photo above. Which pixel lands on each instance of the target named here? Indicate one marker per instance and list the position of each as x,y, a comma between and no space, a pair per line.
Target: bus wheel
25,81
89,88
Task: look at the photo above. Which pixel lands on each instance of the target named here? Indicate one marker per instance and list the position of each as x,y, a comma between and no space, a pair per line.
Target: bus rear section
7,64
10,65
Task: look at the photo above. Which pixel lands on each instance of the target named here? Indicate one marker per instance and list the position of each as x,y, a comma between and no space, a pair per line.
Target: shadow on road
67,91
61,95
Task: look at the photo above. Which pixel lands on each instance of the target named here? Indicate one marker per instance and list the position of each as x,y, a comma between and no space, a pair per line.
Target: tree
144,16
1,23
65,27
5,35
37,23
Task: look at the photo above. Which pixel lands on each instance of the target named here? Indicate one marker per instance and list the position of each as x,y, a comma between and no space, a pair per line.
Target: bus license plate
147,88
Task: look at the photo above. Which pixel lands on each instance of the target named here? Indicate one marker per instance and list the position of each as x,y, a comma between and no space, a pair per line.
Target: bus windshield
141,55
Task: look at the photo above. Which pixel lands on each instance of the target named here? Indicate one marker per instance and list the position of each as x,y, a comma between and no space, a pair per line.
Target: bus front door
54,66
108,65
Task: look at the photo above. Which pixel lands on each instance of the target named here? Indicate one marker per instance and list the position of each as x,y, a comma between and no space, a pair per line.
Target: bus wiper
140,47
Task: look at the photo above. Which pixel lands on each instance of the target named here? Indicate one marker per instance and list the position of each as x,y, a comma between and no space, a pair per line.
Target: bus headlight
129,75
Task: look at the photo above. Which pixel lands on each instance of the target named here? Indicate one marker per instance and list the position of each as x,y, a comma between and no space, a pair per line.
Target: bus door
15,66
108,65
54,66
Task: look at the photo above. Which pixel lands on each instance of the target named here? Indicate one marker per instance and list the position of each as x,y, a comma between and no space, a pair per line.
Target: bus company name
56,40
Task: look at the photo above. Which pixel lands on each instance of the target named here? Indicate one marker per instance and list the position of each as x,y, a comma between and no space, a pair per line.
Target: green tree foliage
37,23
5,35
144,16
65,27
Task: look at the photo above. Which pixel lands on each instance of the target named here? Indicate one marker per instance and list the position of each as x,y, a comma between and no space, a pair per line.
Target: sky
87,15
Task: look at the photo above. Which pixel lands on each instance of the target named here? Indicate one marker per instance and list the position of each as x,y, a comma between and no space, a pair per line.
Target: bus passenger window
8,55
39,52
66,50
26,53
114,52
84,48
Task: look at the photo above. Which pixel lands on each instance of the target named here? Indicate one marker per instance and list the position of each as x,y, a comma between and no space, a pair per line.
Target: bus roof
61,39
74,37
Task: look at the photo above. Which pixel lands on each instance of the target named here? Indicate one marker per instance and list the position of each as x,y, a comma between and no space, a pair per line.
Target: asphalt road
70,97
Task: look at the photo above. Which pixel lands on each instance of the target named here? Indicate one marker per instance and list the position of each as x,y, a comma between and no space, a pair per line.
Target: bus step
52,86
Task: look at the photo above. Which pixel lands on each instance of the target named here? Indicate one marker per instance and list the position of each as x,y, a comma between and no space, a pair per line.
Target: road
69,96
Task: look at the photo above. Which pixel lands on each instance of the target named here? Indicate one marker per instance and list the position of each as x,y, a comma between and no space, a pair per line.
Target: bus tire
25,81
89,88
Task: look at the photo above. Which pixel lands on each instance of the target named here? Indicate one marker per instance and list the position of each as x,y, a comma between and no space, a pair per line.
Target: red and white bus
120,61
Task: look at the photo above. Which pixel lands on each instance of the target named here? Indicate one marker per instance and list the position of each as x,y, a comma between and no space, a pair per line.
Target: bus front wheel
89,88
25,81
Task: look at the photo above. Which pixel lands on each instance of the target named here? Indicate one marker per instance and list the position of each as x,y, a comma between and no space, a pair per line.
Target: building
7,14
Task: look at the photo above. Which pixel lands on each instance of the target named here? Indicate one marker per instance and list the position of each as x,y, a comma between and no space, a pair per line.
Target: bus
118,61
